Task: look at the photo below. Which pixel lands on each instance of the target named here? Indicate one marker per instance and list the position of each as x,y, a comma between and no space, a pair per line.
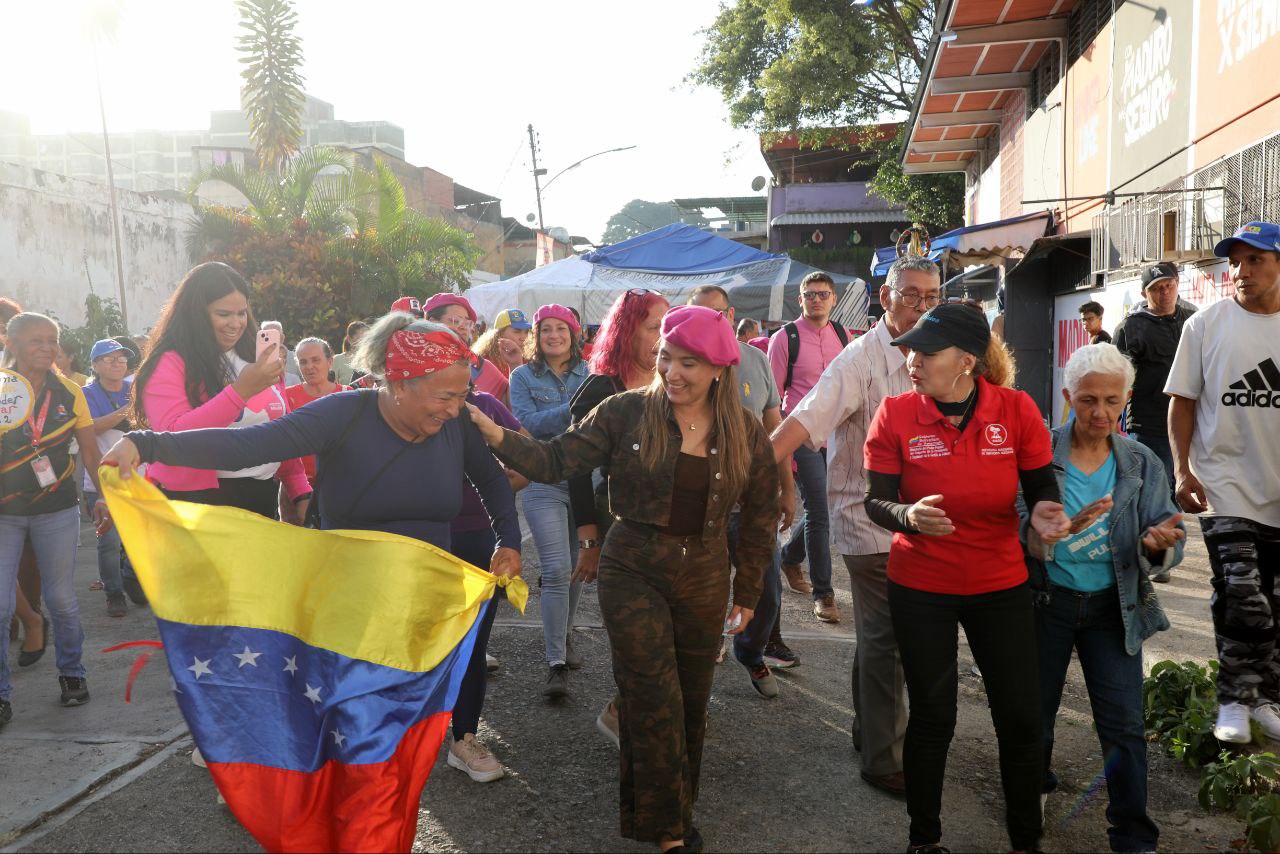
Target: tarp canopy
673,260
985,243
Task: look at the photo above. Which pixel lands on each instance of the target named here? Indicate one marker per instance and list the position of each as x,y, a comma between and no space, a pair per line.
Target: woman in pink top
202,371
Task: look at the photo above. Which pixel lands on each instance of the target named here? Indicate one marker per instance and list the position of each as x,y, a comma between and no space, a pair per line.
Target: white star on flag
247,657
312,694
338,737
200,668
291,664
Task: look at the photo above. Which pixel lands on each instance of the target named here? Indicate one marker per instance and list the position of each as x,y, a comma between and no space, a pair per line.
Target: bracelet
588,544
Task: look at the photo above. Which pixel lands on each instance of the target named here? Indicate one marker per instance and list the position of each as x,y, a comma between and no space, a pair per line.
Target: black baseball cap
1156,272
948,325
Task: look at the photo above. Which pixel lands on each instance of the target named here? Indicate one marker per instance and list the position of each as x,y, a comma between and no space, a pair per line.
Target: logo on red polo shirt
996,436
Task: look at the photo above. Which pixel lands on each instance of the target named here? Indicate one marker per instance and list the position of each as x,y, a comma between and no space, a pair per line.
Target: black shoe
75,690
928,848
116,605
557,685
693,841
134,588
26,659
779,656
6,712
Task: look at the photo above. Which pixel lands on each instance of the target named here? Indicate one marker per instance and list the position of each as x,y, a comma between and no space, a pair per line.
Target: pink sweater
168,410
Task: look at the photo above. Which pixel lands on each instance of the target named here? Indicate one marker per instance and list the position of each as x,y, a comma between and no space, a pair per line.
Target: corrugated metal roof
837,217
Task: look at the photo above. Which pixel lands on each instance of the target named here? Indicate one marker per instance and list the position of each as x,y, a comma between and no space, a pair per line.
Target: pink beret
702,331
436,301
558,312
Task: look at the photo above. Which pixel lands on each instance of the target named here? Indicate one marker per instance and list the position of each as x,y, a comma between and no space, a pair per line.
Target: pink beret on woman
702,331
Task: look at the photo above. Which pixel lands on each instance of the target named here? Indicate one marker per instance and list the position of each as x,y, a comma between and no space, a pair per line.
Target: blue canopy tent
672,260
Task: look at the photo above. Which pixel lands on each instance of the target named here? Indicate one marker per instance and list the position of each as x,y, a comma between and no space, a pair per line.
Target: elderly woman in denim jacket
1096,595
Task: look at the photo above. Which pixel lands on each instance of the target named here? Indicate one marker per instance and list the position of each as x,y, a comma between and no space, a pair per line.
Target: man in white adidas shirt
1224,423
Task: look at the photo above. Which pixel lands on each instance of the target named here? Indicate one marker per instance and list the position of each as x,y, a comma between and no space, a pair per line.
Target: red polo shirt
976,473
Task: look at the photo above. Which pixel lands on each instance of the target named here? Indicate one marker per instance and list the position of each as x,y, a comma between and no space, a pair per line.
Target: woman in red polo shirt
944,463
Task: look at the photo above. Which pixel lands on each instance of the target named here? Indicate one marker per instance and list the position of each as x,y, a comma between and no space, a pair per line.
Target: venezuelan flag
317,670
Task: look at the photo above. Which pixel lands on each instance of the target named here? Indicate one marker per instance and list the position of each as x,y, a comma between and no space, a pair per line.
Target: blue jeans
546,509
812,537
476,548
1159,444
748,647
112,565
1092,625
54,536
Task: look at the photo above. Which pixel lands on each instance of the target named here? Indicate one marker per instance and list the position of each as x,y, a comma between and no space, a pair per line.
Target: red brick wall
439,187
1011,163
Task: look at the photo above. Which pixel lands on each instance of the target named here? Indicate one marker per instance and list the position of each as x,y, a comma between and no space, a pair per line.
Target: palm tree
272,95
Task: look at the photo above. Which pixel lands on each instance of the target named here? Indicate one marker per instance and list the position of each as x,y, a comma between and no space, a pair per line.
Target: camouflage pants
1245,557
662,599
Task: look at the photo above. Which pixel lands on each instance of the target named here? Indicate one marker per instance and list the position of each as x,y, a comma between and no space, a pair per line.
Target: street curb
111,781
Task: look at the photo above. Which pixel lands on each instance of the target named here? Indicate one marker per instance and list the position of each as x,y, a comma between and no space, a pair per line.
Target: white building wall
1042,153
56,242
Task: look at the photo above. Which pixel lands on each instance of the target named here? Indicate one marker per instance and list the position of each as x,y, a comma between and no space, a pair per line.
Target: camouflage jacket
610,435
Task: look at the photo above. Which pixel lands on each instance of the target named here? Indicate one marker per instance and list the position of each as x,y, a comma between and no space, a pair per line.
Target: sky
464,79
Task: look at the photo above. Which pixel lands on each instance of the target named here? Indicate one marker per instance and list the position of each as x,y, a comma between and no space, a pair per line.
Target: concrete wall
56,243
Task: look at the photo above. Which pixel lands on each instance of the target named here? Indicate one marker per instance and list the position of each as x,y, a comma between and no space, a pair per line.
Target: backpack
793,346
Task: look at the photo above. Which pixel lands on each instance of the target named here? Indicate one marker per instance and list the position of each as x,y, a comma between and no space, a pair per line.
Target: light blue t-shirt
1083,562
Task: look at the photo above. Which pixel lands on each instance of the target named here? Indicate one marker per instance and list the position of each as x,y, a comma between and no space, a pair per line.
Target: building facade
1150,130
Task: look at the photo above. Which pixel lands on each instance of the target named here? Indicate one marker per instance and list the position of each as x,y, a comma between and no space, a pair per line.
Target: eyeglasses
817,295
641,292
114,360
913,300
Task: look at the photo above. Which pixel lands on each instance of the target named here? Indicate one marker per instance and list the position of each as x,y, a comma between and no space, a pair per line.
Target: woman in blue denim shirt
540,394
1095,592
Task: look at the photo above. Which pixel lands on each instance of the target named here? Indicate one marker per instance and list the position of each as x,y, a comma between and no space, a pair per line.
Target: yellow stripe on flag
383,598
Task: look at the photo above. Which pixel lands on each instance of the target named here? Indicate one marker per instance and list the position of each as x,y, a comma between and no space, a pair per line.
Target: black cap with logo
1156,272
949,325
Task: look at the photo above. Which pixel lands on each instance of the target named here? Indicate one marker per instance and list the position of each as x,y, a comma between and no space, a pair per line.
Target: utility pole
537,173
111,187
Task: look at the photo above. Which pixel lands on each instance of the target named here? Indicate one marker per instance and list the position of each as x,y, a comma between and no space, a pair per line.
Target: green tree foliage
799,66
271,94
638,216
102,320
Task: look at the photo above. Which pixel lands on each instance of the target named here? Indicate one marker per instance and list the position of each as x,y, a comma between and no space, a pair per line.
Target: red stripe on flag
339,807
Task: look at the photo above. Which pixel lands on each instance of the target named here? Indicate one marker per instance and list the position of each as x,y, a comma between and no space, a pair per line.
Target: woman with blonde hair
682,453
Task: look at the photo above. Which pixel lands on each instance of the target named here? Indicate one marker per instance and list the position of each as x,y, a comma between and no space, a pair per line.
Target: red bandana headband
416,354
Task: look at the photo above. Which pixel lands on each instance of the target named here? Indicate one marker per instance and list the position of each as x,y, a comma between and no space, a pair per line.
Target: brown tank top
689,496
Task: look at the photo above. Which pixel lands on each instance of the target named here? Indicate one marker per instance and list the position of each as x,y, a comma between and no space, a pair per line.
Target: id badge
44,472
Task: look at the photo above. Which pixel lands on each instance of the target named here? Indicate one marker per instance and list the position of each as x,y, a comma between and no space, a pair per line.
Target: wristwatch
588,544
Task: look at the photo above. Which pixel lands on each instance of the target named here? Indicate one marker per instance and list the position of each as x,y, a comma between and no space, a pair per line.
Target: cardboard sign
16,399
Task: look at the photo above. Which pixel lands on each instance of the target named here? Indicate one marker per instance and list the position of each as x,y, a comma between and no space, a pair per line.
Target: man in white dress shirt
839,410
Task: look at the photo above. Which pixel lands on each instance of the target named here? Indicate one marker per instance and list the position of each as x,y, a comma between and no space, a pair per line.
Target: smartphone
267,337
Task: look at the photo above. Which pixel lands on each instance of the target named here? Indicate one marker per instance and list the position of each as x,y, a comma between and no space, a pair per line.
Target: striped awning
837,217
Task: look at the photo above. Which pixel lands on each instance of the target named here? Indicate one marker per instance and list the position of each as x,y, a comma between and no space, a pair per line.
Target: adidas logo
1260,387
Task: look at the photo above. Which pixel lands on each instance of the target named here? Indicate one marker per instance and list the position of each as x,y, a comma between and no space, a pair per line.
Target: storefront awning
837,217
985,243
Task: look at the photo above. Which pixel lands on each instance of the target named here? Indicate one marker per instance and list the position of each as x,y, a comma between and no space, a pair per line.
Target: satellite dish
528,217
757,183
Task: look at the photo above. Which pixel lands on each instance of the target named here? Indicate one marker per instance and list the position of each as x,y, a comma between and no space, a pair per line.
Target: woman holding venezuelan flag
681,453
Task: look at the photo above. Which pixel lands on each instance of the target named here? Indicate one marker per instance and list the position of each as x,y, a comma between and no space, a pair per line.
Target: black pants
476,548
247,493
1001,630
1245,558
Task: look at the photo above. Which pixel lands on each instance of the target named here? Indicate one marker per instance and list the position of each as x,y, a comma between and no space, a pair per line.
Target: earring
397,401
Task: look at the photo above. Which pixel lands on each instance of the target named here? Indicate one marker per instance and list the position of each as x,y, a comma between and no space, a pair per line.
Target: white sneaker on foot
1267,714
490,663
1233,724
607,724
473,758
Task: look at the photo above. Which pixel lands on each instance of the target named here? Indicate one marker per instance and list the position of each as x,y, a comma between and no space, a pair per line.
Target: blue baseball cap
512,317
1260,235
105,347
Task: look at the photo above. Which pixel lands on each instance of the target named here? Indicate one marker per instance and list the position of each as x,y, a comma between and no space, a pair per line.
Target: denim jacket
540,398
1141,499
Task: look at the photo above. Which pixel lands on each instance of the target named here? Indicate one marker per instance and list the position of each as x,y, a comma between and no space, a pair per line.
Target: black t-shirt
64,410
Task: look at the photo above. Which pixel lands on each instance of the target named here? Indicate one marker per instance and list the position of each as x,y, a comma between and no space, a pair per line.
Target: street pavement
778,775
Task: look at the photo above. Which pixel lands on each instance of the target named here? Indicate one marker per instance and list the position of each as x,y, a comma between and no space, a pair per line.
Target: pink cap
702,331
441,300
558,312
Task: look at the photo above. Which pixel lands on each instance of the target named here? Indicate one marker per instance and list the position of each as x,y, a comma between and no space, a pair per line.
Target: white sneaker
1267,714
1233,724
474,759
490,663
